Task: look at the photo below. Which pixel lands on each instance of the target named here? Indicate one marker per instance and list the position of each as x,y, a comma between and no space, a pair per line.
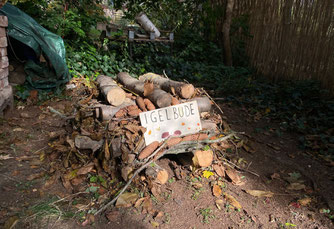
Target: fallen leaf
296,186
260,193
147,205
275,176
148,88
207,174
305,201
248,148
139,202
159,215
18,129
155,224
86,169
216,190
234,177
219,169
126,199
232,200
67,184
35,176
112,215
11,222
5,157
219,204
106,151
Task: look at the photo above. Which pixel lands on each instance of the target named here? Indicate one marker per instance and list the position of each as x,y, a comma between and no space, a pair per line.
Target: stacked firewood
105,135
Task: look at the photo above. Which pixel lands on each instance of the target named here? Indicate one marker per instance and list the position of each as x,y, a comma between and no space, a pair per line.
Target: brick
4,73
3,21
3,42
4,62
6,99
3,32
3,52
3,83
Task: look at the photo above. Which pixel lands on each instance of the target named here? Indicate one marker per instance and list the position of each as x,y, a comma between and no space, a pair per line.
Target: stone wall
6,92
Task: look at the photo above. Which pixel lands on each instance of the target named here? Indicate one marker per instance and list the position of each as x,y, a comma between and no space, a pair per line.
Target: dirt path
186,201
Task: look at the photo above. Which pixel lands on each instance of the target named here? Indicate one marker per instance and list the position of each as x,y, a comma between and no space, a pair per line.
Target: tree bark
226,33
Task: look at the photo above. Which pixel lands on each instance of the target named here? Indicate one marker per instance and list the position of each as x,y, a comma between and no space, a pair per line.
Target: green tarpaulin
26,30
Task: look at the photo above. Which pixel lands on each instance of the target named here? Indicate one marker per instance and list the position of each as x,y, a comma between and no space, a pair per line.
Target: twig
124,88
165,74
129,182
238,167
60,114
204,91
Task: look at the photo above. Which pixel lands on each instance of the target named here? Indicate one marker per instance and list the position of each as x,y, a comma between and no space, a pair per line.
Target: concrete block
3,32
3,42
3,83
4,73
4,62
6,100
3,21
3,52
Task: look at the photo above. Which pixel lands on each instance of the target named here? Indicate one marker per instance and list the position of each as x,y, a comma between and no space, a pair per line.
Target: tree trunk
226,33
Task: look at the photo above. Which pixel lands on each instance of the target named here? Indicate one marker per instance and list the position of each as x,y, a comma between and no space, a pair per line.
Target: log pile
106,137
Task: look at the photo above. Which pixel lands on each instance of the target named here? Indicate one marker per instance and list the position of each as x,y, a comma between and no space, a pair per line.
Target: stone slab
3,83
3,42
4,73
3,52
4,62
6,100
3,32
3,21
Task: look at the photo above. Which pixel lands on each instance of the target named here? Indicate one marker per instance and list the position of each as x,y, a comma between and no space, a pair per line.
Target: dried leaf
148,88
232,200
275,176
219,204
147,205
216,190
155,224
234,177
126,199
260,193
112,215
296,186
106,150
219,169
67,184
35,176
207,174
305,201
86,169
139,202
5,157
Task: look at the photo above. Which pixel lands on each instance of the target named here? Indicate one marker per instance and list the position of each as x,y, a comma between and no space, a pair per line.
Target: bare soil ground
24,138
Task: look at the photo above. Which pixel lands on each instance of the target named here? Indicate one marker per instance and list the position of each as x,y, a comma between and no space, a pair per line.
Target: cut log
113,93
159,97
204,103
183,90
156,173
106,113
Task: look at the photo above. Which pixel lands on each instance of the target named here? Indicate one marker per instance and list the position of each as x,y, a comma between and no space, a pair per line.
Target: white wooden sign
175,120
